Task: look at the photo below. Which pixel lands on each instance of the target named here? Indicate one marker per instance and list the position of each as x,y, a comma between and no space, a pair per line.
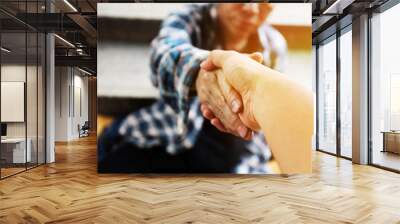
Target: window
395,102
385,89
327,96
22,78
346,94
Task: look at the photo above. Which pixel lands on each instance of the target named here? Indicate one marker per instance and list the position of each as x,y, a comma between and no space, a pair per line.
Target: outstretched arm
280,107
175,63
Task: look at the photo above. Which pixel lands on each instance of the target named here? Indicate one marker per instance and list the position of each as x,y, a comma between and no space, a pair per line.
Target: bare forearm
284,111
282,108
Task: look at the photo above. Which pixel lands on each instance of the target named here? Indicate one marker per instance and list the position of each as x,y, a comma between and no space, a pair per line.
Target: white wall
133,71
80,103
33,126
70,83
300,13
61,103
14,72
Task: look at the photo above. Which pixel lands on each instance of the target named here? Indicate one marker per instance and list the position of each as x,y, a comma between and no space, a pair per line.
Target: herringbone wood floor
70,191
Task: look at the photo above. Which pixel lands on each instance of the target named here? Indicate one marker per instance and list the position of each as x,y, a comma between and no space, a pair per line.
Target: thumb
207,65
219,57
257,56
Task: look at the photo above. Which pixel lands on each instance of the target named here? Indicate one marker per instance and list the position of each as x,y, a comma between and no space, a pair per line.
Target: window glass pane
31,97
395,101
386,89
314,88
346,94
327,97
41,97
14,153
22,88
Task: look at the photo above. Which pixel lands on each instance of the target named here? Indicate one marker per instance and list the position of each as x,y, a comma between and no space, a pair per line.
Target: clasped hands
267,100
225,87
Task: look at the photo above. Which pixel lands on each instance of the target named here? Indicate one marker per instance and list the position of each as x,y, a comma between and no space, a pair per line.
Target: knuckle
206,76
203,89
218,112
211,77
220,103
212,91
236,123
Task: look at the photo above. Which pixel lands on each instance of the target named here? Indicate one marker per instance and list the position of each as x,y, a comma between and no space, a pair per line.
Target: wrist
264,85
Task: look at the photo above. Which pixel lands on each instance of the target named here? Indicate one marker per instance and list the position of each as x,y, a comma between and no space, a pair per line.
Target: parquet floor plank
71,191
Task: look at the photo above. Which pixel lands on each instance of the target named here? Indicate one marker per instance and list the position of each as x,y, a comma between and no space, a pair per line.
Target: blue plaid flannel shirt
176,53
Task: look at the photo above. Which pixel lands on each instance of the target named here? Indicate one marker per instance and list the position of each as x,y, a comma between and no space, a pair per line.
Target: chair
84,130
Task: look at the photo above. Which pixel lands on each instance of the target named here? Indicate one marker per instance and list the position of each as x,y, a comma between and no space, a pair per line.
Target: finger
218,124
249,136
257,56
223,112
202,107
207,65
243,131
208,114
218,105
231,96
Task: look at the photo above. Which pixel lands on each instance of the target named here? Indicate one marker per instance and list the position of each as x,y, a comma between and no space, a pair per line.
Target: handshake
239,95
225,87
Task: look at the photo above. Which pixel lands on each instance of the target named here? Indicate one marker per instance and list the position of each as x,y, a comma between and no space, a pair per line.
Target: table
16,147
391,141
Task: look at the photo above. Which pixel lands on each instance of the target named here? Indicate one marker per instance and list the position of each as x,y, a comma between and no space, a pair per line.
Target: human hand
220,103
233,67
220,110
281,107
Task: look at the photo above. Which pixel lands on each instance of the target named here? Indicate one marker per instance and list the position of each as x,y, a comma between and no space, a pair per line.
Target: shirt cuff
185,82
